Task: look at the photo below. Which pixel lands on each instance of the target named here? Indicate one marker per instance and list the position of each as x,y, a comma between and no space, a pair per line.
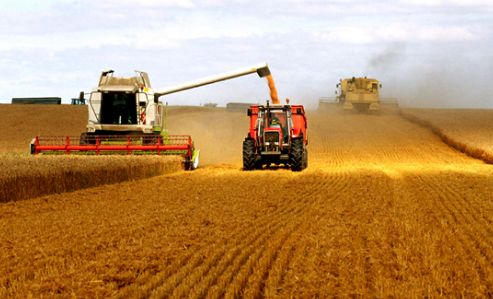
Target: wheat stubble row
384,209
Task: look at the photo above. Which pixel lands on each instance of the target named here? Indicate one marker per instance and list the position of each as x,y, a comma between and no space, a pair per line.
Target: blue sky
432,53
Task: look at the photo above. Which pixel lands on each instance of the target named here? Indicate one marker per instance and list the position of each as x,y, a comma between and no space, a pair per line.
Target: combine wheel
297,156
249,156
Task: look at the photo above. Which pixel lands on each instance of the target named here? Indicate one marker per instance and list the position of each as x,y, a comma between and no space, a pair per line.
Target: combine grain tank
359,93
126,116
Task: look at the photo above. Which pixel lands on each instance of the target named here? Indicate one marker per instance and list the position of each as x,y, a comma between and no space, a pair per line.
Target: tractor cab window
119,108
278,120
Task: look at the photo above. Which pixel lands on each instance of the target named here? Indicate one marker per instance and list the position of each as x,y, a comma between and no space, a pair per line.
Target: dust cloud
217,132
453,76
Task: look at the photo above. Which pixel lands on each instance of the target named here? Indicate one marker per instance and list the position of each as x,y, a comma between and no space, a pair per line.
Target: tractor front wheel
249,155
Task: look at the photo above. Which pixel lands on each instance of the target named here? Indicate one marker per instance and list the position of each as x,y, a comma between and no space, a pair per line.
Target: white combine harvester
126,116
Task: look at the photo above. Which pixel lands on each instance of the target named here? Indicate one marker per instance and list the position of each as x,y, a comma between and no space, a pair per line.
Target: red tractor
277,136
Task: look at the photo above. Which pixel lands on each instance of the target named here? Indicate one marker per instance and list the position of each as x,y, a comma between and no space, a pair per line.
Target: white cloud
148,3
58,42
411,33
449,2
325,39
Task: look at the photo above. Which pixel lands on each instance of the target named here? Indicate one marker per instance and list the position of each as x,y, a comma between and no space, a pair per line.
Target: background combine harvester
363,94
126,116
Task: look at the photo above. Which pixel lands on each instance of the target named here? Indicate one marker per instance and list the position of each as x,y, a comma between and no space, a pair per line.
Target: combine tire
249,156
297,156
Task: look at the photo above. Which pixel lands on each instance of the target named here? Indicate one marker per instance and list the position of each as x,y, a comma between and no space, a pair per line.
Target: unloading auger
126,117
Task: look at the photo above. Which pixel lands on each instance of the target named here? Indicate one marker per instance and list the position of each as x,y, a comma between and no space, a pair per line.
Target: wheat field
385,209
468,130
23,176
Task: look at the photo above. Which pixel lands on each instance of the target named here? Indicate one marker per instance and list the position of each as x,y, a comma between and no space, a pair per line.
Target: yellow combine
359,93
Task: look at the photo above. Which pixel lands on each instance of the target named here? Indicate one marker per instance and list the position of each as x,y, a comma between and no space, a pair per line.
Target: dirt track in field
384,209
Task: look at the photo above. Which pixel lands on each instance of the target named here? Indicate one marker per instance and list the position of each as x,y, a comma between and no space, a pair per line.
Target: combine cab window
374,87
119,108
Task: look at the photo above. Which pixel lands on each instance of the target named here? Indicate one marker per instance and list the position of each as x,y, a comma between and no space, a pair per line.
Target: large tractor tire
305,158
297,156
249,155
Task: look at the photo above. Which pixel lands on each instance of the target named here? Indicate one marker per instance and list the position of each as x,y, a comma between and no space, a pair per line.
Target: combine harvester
126,117
363,94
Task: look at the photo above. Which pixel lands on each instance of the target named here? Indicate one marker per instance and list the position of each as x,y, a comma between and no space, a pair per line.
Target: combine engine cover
277,136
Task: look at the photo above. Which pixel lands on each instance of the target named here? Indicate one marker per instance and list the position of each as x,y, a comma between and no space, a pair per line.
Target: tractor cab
273,127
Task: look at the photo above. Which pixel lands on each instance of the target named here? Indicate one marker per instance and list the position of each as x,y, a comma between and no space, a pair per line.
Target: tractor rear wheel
249,156
305,158
297,156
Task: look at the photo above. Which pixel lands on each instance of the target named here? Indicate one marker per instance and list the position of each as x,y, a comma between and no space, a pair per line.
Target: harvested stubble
467,130
23,177
385,209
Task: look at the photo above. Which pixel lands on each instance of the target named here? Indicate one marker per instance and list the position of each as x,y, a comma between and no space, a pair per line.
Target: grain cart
359,93
278,135
126,116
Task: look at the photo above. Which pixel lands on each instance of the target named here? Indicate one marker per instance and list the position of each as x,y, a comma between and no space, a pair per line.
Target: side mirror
380,85
249,112
298,110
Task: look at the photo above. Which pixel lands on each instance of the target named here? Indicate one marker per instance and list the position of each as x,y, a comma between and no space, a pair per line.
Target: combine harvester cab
126,116
363,94
277,135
